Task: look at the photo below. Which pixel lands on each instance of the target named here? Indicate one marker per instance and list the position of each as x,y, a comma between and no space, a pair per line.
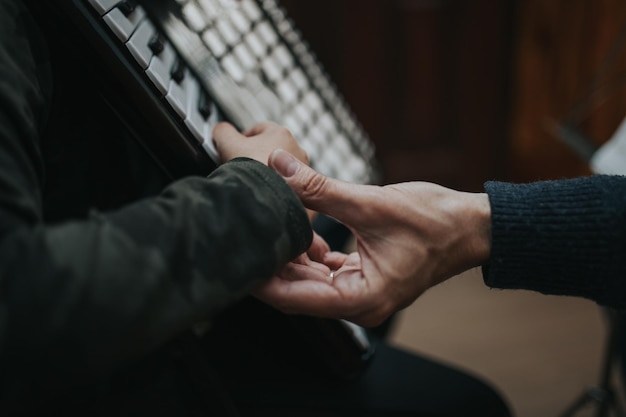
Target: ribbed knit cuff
560,237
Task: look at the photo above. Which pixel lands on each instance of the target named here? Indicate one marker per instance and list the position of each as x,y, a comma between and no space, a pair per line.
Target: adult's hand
410,236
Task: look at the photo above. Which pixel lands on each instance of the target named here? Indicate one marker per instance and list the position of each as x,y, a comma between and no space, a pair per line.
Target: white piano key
205,138
293,37
233,68
244,55
301,49
229,4
328,123
283,24
283,56
194,17
124,26
286,91
160,67
303,113
267,33
209,147
214,42
299,79
314,102
356,168
317,135
293,125
316,74
251,9
208,144
308,61
341,145
177,96
329,93
103,6
209,7
334,159
321,166
195,121
240,21
256,45
228,32
198,128
138,43
349,123
271,69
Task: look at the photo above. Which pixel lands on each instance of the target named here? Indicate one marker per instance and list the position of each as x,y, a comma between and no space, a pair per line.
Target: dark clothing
286,380
98,266
565,237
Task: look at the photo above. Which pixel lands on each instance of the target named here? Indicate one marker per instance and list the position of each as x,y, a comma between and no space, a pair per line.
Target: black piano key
204,105
178,71
127,6
156,44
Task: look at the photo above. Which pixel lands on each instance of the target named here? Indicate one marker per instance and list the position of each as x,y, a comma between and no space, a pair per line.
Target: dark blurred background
459,92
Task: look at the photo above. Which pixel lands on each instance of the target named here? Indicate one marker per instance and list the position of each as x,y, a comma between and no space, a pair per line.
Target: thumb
320,193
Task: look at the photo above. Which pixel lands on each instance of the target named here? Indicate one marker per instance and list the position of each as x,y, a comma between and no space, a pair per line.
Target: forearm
561,237
85,296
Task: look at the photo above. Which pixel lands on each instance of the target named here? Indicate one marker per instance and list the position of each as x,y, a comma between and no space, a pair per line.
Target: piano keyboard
171,69
241,61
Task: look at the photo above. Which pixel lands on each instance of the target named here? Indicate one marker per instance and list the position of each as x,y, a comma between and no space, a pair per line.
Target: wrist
481,224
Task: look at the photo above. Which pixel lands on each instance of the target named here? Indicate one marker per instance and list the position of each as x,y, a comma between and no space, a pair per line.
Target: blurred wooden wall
427,78
562,46
459,92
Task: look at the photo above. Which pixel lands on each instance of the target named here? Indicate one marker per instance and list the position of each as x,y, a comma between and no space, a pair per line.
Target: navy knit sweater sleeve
564,237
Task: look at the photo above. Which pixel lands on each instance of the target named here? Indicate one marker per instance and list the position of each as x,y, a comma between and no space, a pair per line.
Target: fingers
304,259
256,143
227,140
297,272
311,297
318,249
261,128
323,298
335,260
338,199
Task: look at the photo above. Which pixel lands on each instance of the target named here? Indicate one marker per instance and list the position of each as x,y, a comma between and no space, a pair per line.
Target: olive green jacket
102,259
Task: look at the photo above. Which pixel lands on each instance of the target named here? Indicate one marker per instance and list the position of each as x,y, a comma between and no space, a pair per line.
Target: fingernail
284,163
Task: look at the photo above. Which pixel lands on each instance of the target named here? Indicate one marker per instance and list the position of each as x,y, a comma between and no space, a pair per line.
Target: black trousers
270,370
256,362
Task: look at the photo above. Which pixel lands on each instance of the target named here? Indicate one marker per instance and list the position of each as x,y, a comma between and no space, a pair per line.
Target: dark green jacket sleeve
88,294
565,237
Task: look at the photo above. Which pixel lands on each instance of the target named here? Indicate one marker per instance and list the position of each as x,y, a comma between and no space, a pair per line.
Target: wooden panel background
427,78
459,92
561,47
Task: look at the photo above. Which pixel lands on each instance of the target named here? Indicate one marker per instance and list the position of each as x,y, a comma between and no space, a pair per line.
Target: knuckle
265,126
285,134
315,185
220,129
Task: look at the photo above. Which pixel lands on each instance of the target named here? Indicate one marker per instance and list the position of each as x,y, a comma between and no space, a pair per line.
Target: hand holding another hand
410,236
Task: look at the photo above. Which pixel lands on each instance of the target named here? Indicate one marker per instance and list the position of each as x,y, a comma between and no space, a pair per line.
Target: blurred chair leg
603,396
